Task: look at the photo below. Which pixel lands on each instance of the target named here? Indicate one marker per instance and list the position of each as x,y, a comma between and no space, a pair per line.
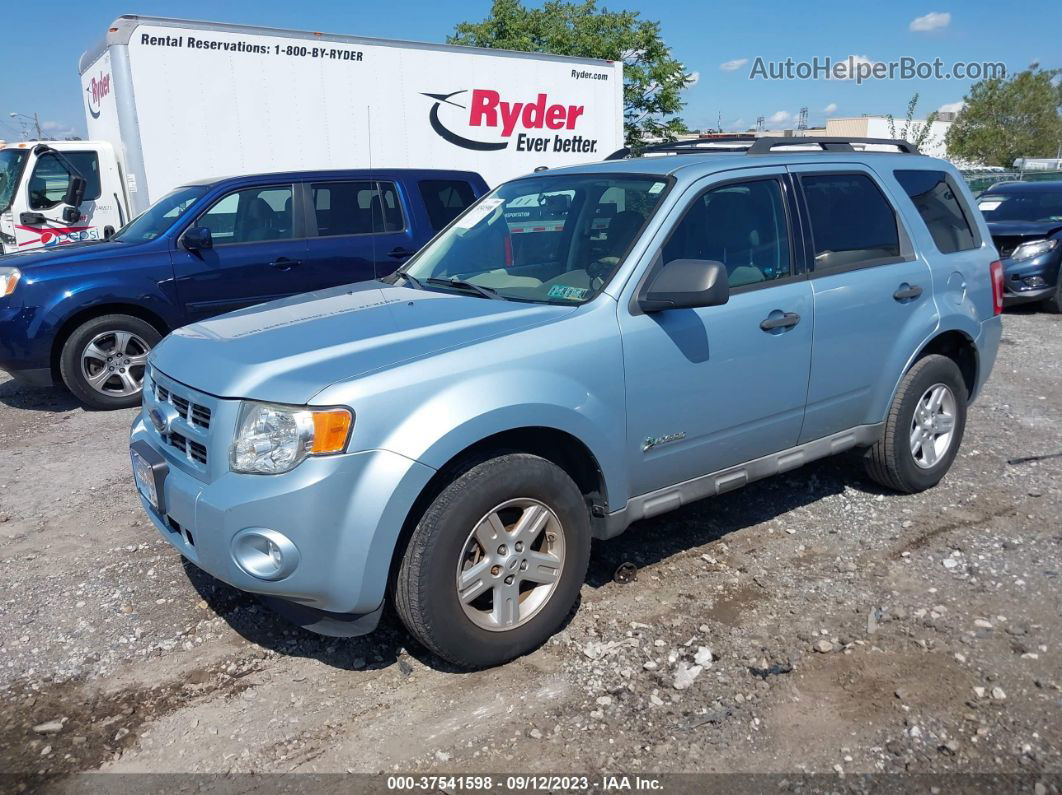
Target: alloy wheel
933,426
113,363
511,564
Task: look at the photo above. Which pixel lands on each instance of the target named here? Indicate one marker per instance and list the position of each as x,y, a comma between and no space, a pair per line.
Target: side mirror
75,192
686,284
108,232
197,238
71,215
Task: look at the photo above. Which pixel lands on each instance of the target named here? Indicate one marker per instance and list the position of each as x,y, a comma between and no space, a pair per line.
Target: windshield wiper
484,292
412,280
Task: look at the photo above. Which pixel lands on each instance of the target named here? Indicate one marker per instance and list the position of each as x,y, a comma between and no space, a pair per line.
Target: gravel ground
808,623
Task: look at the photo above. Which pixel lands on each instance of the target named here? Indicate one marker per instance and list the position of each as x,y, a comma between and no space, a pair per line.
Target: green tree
1008,118
913,131
652,78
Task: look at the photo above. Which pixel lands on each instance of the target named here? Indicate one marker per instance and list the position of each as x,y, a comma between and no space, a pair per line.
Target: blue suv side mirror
686,284
197,238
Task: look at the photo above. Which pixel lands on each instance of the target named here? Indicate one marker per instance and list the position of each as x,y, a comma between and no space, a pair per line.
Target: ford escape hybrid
580,349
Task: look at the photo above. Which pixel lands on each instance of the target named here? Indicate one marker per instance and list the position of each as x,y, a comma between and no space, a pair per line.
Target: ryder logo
488,123
96,90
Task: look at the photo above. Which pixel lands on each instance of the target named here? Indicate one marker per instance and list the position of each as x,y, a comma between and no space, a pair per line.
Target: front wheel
924,427
1054,303
103,361
495,564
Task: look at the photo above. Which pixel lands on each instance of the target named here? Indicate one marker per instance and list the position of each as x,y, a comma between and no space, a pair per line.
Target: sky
718,42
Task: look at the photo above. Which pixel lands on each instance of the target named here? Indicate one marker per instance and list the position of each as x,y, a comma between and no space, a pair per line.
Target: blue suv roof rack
763,146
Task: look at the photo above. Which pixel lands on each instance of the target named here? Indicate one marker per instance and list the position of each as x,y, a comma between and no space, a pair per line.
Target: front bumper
1030,280
342,513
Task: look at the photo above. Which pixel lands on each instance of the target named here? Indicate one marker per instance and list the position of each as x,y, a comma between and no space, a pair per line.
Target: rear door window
852,223
445,199
356,208
941,209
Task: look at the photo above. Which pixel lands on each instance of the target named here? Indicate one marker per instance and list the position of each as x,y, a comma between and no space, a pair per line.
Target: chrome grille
189,411
191,448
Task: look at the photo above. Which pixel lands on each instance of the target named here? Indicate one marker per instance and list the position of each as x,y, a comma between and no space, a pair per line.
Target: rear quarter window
941,209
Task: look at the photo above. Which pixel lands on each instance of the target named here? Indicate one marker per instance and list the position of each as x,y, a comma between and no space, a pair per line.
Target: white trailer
169,100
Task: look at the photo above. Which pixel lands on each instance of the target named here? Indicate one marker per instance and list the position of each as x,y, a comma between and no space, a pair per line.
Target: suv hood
1031,229
287,351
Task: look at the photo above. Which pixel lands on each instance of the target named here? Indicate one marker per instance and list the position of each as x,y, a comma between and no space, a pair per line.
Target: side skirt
671,497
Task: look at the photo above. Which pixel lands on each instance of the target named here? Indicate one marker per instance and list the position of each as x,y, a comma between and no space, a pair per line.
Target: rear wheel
924,427
495,564
103,361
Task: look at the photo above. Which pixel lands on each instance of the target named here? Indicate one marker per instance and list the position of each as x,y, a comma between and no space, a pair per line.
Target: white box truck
169,100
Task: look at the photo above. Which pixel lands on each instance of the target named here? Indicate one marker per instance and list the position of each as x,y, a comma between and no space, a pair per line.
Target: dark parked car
88,315
1025,219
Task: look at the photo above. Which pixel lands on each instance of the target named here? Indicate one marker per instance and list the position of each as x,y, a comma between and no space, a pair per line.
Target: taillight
997,287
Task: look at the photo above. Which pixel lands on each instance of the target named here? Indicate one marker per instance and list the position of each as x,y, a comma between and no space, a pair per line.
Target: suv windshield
11,164
549,238
160,216
1045,205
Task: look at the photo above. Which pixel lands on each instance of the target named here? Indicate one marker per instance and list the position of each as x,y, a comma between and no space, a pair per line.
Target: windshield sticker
989,206
656,188
567,293
479,212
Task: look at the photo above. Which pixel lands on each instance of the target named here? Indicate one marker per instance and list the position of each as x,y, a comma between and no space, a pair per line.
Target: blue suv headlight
271,439
1033,248
8,279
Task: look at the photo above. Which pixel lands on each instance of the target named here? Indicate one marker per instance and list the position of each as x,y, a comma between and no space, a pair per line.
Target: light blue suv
580,349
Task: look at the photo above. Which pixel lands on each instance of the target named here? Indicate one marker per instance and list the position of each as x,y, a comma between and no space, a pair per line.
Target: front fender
489,404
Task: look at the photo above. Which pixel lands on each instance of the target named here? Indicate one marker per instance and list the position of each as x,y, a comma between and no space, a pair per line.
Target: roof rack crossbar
763,146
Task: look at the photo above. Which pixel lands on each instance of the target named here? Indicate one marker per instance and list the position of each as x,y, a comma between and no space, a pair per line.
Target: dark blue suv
89,314
1025,219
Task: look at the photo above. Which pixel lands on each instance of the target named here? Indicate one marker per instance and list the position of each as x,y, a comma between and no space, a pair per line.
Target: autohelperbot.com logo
483,121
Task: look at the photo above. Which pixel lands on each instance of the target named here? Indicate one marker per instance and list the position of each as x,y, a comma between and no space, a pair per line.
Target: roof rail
762,146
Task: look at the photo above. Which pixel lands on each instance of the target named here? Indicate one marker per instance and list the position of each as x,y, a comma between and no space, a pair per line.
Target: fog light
1032,282
264,554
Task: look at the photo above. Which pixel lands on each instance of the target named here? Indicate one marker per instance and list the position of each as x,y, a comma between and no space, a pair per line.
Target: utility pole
34,118
802,119
760,123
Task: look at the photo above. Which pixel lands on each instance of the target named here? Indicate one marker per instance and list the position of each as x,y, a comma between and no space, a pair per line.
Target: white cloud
831,108
779,117
931,21
951,107
734,65
693,79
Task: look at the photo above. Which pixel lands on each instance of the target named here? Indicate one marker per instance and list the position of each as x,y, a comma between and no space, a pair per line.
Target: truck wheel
924,427
104,360
495,564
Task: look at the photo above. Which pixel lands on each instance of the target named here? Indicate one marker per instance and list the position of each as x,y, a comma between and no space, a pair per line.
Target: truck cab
53,193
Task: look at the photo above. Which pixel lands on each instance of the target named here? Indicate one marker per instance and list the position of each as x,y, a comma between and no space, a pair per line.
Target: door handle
285,264
400,253
783,321
907,292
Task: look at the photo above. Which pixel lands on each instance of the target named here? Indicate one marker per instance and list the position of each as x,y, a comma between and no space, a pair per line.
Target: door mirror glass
197,238
71,214
75,192
686,284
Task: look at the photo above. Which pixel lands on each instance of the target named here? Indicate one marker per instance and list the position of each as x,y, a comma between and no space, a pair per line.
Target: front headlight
1034,248
271,439
8,279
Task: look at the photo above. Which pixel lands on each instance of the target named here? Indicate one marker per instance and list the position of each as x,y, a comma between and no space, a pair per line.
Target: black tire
1054,303
76,345
426,592
890,460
